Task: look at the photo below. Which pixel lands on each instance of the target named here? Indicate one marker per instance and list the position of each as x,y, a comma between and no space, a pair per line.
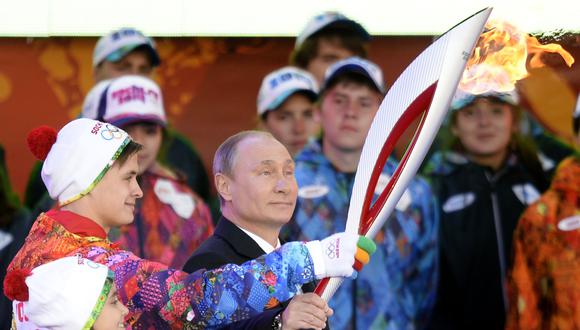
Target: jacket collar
77,224
237,239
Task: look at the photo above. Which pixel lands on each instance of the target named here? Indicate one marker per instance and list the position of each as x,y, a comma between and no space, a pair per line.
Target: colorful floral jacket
171,221
161,298
396,290
545,279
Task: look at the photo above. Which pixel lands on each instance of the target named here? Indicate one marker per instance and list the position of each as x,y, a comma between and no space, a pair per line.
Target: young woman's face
113,314
150,136
485,128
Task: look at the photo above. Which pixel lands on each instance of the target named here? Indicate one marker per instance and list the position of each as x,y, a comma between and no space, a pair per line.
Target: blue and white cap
461,99
115,45
496,87
125,100
327,20
277,86
357,65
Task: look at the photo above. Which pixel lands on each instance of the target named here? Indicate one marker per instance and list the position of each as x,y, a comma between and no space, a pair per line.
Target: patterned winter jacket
545,280
396,290
161,298
171,221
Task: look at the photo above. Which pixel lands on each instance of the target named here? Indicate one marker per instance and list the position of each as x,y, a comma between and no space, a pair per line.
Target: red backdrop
209,84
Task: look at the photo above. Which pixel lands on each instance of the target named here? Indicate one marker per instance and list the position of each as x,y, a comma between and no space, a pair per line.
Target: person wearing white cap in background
286,102
327,38
90,168
546,266
171,221
484,179
122,52
397,288
68,293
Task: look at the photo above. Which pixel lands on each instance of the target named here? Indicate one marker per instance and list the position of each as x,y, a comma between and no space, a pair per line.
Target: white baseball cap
68,293
492,87
115,45
82,152
357,65
278,85
329,19
461,99
125,100
91,102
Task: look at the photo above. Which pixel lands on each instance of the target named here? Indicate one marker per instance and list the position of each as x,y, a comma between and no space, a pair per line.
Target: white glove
334,255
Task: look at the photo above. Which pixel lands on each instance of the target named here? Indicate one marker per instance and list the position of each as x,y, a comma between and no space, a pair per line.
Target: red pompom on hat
15,287
40,140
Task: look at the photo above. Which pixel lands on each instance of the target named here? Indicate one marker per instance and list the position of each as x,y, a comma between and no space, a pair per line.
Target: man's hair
344,37
349,77
225,155
130,149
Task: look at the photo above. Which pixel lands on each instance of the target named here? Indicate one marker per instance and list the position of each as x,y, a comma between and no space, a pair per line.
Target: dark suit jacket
229,244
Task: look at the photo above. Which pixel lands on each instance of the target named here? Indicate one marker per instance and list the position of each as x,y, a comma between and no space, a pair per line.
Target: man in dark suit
254,177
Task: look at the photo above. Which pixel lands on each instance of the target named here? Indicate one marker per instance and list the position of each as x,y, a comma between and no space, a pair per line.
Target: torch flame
500,56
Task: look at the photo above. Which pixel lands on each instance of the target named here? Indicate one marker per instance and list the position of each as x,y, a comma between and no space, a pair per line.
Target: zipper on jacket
499,236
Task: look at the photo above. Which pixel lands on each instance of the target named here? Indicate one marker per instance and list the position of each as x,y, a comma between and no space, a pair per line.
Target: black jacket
479,211
229,244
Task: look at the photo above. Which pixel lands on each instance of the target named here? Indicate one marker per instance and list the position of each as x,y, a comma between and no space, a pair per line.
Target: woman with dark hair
484,181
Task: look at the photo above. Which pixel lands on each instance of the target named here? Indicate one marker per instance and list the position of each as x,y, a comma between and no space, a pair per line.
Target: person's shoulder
209,255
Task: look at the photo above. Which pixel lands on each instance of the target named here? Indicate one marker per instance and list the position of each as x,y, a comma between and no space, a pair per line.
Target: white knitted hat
78,157
67,293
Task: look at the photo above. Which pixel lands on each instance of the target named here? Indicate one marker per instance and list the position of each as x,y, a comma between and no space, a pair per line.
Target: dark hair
264,116
576,124
130,149
349,77
344,37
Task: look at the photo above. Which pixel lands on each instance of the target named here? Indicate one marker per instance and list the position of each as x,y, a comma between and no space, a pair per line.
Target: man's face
346,114
292,123
137,62
262,188
329,51
113,198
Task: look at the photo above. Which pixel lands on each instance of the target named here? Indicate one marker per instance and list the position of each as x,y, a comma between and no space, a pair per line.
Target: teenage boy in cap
544,290
90,167
124,52
286,107
254,177
397,288
327,38
68,293
171,221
